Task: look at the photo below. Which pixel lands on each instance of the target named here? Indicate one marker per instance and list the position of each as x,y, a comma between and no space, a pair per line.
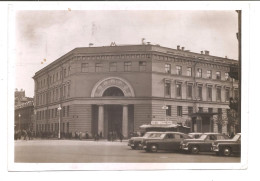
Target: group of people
24,134
113,135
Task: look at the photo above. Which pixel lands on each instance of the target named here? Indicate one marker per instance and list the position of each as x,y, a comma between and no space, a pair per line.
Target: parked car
136,142
203,143
195,135
227,147
164,141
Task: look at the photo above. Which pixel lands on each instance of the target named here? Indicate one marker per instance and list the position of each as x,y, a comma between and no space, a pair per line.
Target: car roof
196,133
213,133
174,132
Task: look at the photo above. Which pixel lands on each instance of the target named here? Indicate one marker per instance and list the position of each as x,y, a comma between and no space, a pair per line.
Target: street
88,151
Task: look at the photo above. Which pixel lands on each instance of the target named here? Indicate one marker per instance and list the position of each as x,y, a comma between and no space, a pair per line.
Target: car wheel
227,151
194,149
154,148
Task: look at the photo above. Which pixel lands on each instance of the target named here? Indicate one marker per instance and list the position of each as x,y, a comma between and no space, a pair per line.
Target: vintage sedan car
164,141
203,143
195,135
227,147
136,142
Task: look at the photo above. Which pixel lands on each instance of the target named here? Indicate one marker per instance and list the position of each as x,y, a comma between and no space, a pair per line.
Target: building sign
161,122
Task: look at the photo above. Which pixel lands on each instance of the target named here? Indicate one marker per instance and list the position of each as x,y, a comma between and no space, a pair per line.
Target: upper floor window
226,76
227,95
200,92
200,109
98,67
189,72
209,74
218,93
210,110
167,68
64,72
168,111
84,67
236,93
127,66
167,90
189,91
178,90
142,66
190,110
218,75
112,66
179,110
209,91
199,72
178,70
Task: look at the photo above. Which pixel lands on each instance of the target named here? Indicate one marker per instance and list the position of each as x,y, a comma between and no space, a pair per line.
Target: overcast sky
51,34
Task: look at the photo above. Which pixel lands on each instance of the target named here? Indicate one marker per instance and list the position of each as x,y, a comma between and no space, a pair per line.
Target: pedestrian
121,137
80,135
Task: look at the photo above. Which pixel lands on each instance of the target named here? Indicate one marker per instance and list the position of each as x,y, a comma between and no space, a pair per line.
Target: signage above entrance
161,122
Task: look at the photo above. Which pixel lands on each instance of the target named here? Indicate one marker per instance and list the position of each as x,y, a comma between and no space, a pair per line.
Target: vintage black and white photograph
127,86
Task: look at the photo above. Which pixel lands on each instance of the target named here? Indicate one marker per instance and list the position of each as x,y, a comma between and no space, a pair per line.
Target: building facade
120,88
24,116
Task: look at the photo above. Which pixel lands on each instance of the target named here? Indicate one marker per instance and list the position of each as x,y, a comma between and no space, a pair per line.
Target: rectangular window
200,92
127,66
179,110
64,72
68,90
218,75
56,112
84,67
218,93
178,90
68,110
57,96
227,95
209,74
65,90
200,109
142,66
210,110
209,90
178,70
199,72
235,93
167,68
189,90
64,111
226,76
99,67
169,111
112,66
167,89
190,110
189,72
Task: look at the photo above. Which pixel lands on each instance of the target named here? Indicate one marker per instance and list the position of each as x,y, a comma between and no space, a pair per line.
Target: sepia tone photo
127,86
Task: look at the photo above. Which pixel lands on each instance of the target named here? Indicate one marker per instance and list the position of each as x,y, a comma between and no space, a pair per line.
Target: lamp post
19,122
59,109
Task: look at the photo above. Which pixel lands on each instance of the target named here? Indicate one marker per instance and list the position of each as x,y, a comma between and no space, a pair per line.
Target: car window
177,136
220,137
169,136
211,137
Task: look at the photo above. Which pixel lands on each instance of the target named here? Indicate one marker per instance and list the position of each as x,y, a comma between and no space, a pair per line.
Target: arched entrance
111,117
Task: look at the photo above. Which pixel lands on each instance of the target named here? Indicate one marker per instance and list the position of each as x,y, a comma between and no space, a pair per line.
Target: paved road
76,151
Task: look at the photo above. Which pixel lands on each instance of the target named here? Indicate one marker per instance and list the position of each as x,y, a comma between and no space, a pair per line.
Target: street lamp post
19,122
59,109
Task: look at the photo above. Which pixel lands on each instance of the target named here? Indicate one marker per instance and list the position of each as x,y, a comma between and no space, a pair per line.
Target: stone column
125,121
101,119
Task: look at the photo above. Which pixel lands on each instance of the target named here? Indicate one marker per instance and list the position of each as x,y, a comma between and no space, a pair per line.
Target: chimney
182,48
201,52
206,52
178,47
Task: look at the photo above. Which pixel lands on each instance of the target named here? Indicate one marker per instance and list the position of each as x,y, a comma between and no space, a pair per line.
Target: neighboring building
24,116
20,97
120,88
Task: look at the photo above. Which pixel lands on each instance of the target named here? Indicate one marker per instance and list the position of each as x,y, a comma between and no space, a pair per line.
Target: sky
48,35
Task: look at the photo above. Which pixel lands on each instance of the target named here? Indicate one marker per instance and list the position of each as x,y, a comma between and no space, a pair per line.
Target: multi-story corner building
24,116
120,88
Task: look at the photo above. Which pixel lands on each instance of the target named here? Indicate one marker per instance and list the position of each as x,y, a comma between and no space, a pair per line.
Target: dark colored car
164,141
203,143
136,142
227,147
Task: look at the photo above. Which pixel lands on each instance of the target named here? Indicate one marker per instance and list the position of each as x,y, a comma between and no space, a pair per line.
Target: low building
24,116
119,88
